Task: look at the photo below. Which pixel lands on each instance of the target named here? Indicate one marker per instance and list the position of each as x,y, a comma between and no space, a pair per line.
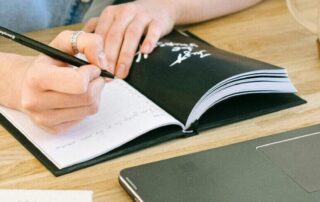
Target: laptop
283,167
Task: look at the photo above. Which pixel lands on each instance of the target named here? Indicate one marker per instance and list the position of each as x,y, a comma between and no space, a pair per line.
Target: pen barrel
107,74
47,50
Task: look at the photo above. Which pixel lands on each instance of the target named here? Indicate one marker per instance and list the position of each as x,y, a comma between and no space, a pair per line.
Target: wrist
12,76
167,9
22,67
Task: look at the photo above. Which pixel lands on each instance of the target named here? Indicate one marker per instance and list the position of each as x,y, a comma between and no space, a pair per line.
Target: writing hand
56,96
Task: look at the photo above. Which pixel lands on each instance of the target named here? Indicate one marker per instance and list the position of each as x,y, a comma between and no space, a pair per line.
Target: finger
73,114
60,116
58,129
64,80
152,37
114,39
105,22
91,45
91,25
130,44
52,118
54,100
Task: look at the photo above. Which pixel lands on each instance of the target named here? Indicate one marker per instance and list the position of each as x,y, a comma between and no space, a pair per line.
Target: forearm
190,11
12,70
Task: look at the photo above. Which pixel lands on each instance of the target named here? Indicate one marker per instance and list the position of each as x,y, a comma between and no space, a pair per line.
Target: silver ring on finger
74,39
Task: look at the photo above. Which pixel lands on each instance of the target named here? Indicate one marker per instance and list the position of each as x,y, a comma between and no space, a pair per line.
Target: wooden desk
266,32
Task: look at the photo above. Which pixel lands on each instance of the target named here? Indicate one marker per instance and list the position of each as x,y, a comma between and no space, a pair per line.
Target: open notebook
185,86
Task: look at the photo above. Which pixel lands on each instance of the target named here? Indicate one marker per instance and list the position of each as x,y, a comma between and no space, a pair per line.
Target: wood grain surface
266,32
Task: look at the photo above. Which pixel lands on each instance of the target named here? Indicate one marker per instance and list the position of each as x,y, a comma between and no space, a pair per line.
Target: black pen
47,50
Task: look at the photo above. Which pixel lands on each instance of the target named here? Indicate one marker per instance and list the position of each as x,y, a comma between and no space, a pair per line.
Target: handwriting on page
108,125
124,114
184,50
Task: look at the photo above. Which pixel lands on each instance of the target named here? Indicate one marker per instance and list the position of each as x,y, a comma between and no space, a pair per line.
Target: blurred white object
7,195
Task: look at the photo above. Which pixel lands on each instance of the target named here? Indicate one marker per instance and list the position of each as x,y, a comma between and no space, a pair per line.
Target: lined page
124,114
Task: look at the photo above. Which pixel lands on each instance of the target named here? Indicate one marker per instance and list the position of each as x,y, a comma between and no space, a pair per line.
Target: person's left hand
122,27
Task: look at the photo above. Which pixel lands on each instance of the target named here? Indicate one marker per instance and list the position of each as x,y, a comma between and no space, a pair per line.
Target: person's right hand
56,96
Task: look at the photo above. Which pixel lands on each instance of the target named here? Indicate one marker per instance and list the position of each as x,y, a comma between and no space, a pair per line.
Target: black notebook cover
227,112
181,70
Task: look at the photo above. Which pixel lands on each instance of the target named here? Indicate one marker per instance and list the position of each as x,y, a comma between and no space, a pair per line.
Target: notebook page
124,114
240,88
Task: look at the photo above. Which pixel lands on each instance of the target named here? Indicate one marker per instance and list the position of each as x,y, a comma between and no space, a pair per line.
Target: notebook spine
192,130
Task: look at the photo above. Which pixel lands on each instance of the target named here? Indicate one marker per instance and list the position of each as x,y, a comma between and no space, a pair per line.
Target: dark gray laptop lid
282,167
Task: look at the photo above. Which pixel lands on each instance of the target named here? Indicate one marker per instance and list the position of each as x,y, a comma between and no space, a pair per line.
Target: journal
185,86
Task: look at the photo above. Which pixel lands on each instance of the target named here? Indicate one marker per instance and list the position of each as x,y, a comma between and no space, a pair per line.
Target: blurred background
307,13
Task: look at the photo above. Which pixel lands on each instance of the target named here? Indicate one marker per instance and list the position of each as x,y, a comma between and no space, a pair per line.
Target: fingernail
110,68
97,71
146,48
103,61
121,71
107,80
